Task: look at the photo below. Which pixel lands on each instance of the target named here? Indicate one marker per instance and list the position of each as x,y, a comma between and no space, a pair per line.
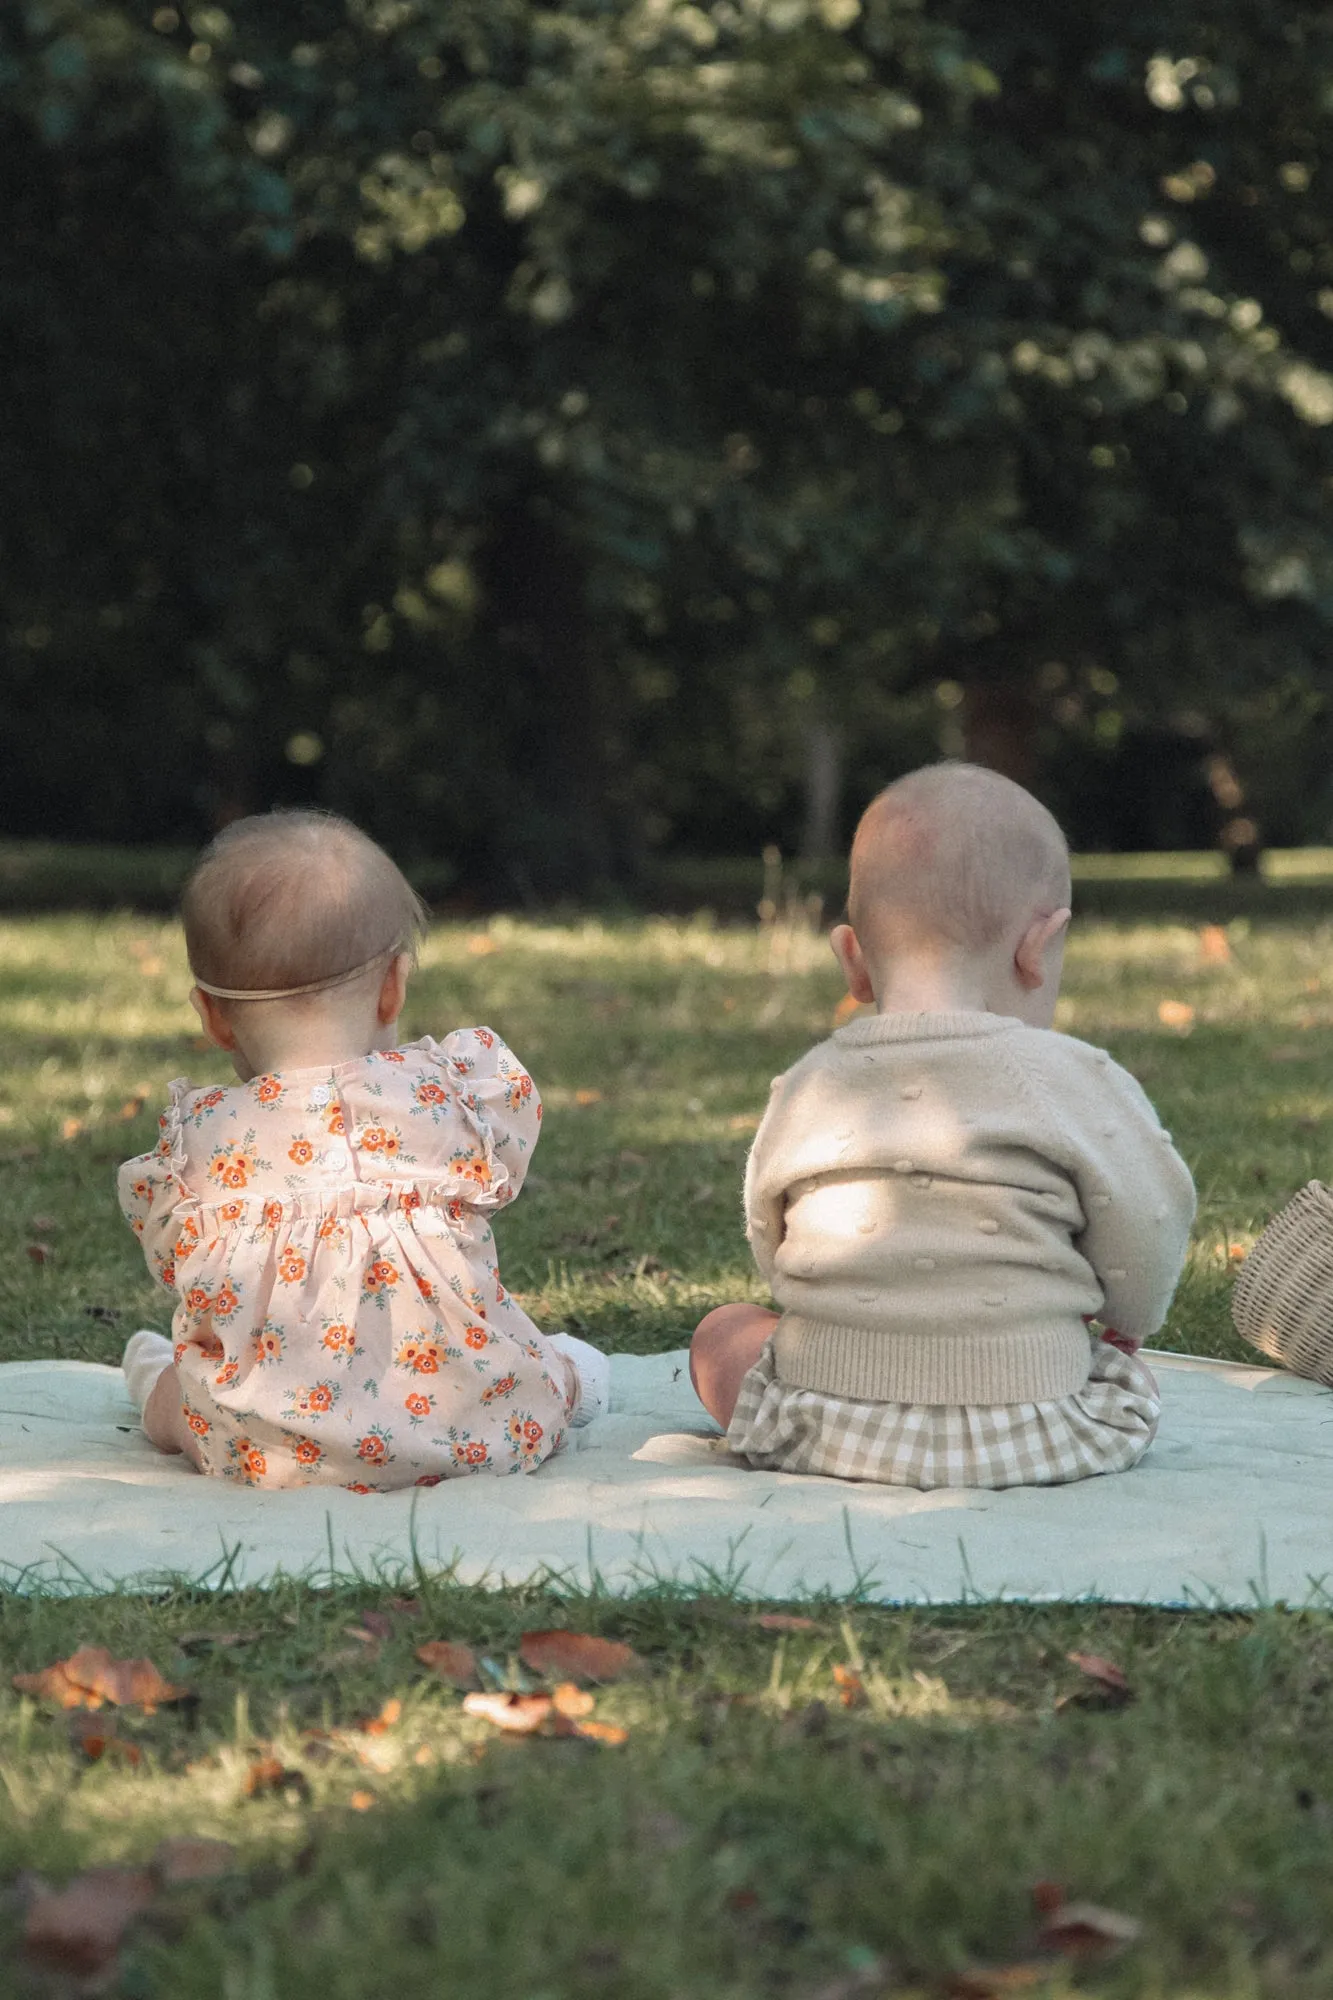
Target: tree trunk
1000,725
823,792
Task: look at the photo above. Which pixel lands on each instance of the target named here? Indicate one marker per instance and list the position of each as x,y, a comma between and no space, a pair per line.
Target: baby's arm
765,1196
499,1098
150,1192
1136,1193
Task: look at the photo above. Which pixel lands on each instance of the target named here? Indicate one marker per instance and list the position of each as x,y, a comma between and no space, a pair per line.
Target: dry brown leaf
992,1982
1109,1687
1086,1930
130,1109
183,1859
1047,1897
451,1660
587,1097
70,1128
577,1656
78,1929
571,1701
1099,1669
362,1801
379,1623
479,945
602,1732
522,1714
1214,945
851,1688
784,1621
376,1725
1175,1014
40,1253
91,1677
269,1774
95,1740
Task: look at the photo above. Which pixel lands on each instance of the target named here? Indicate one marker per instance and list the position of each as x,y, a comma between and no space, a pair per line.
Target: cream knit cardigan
938,1201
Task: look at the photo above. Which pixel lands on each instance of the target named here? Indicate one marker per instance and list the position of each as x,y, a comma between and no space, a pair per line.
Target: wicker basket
1283,1300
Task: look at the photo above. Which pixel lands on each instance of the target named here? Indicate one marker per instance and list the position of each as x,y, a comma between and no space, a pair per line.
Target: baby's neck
933,986
268,1047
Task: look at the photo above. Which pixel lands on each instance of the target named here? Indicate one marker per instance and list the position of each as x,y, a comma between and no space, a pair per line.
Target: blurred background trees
563,436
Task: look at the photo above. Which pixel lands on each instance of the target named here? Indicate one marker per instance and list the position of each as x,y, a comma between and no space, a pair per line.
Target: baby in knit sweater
947,1193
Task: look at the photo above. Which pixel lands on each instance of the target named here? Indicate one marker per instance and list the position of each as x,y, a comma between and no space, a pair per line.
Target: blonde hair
953,854
293,900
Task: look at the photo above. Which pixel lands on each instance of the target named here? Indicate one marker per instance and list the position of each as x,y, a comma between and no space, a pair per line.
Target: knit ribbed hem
867,1365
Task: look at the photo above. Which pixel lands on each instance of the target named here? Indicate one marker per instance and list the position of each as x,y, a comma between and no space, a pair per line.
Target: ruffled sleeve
499,1101
154,1197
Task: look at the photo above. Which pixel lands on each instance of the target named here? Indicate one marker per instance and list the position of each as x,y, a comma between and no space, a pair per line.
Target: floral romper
340,1317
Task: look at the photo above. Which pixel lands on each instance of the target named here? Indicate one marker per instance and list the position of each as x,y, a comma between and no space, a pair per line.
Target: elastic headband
291,992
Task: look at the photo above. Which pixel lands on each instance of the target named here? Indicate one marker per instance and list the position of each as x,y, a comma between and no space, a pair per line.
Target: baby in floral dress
325,1222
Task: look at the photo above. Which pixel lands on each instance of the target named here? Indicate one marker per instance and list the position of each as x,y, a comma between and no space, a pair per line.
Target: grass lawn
754,1835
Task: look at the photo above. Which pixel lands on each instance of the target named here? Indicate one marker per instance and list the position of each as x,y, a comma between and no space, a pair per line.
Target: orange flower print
392,1055
225,1302
425,1287
167,1272
332,1229
142,1190
505,1385
208,1100
357,1486
291,1267
180,1351
517,1089
196,1299
381,1276
271,1215
429,1479
226,1375
337,1124
525,1434
417,1405
250,1460
419,1354
429,1092
372,1448
340,1340
267,1089
199,1425
269,1342
300,1152
472,1453
409,1199
472,1167
485,1037
317,1400
454,1210
476,1336
306,1452
211,1347
379,1139
232,1166
231,1211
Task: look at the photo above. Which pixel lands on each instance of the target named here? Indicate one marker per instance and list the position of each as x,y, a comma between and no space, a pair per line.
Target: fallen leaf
183,1859
130,1109
70,1128
851,1688
1110,1689
1047,1897
452,1661
365,1634
577,1656
587,1097
95,1740
376,1725
40,1253
78,1929
602,1732
269,1774
992,1982
522,1714
1175,1014
1214,945
1236,1253
1086,1930
362,1801
481,946
784,1621
571,1701
90,1678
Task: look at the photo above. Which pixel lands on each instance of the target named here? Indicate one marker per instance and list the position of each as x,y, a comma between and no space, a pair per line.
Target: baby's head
960,879
300,933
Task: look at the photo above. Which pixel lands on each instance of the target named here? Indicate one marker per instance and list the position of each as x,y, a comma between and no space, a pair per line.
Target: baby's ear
1036,941
847,951
212,1019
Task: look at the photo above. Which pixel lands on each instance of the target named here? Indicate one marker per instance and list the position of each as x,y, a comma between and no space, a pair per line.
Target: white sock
146,1355
594,1371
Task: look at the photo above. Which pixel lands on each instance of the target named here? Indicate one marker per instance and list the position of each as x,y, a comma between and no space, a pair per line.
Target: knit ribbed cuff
867,1365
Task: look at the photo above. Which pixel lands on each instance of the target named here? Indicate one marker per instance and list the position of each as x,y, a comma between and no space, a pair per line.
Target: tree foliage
522,427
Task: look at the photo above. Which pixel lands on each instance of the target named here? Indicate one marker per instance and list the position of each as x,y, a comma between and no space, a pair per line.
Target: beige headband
291,992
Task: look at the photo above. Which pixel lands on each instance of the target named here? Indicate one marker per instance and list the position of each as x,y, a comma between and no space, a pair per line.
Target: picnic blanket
1232,1507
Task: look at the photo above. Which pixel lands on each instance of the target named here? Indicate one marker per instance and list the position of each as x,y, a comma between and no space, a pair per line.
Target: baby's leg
154,1386
727,1342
